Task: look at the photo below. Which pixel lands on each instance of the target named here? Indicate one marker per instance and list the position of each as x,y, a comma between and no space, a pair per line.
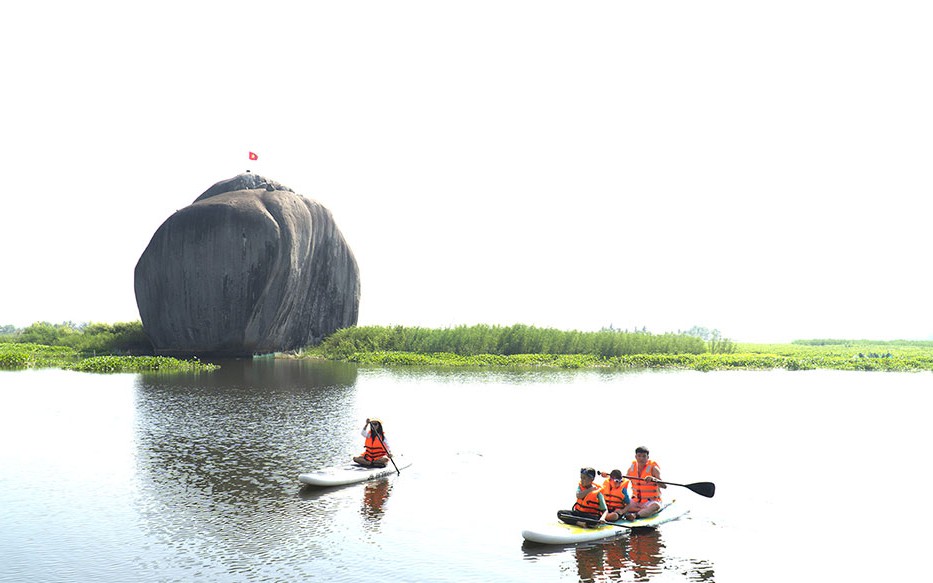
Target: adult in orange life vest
646,493
615,492
590,501
376,452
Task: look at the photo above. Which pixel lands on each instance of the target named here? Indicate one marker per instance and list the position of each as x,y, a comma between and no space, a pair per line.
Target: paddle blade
576,520
707,489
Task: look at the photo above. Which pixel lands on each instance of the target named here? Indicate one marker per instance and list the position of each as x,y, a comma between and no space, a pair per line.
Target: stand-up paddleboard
350,473
561,533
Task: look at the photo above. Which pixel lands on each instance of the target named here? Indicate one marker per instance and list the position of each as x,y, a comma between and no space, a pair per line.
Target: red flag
253,156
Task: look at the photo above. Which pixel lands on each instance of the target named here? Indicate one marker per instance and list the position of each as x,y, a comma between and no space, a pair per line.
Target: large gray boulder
249,267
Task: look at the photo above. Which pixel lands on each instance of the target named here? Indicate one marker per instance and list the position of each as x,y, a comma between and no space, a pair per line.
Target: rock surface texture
250,267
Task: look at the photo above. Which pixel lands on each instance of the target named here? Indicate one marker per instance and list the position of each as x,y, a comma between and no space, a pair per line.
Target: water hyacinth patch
108,364
28,355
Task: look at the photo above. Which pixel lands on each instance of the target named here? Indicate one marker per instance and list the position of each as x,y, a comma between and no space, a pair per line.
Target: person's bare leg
650,509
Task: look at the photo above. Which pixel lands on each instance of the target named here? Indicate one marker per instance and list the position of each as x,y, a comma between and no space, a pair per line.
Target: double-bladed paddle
707,489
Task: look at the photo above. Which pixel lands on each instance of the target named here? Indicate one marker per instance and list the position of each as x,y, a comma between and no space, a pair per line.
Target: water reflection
217,454
242,429
138,478
374,498
640,556
637,557
601,562
375,493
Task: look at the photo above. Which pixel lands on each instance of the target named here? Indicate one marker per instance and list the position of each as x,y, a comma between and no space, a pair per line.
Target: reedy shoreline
483,346
620,350
703,362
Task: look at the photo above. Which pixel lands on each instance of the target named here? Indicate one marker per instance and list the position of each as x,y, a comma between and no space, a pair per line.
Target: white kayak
350,473
561,533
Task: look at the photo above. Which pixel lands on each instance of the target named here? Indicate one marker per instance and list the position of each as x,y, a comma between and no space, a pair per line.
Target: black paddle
379,437
562,515
707,489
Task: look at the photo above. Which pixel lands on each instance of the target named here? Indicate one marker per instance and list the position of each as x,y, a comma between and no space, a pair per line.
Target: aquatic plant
15,355
107,364
19,355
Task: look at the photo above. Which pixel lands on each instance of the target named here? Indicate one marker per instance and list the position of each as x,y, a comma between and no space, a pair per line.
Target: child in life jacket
615,492
376,451
590,501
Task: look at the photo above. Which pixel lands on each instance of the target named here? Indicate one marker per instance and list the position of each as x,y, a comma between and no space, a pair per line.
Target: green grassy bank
124,348
89,347
527,346
21,355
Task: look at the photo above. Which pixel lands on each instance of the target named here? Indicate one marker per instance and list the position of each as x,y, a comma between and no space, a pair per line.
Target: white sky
760,168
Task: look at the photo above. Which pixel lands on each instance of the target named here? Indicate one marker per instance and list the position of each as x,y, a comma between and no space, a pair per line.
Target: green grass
491,346
502,340
30,355
90,339
20,355
464,347
701,362
88,348
140,364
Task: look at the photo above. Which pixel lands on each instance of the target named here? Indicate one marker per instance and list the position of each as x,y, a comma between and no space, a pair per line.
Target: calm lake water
821,475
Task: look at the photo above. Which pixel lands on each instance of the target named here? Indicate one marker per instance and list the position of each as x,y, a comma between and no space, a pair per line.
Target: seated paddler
376,452
615,492
590,503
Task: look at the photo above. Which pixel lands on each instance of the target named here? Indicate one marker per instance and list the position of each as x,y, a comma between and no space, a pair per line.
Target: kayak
561,533
350,473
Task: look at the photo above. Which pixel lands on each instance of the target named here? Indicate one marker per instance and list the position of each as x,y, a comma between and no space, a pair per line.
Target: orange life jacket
589,503
615,495
374,447
643,491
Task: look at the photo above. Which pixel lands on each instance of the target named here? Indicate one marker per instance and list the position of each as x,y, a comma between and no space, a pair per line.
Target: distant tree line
714,340
840,342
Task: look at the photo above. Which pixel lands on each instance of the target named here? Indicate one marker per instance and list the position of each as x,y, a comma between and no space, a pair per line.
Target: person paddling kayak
646,494
376,452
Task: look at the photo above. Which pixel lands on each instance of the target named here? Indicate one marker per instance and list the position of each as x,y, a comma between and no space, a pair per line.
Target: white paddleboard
350,473
561,533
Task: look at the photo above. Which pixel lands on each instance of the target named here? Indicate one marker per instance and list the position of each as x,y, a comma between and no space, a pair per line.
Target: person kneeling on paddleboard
615,492
376,452
590,504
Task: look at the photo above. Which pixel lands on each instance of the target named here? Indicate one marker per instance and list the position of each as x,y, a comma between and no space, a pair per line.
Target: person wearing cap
590,501
615,492
376,451
646,493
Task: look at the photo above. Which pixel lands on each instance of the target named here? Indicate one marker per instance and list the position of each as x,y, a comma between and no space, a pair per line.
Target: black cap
588,471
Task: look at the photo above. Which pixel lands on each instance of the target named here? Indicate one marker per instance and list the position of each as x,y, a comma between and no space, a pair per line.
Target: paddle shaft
594,521
379,437
702,488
